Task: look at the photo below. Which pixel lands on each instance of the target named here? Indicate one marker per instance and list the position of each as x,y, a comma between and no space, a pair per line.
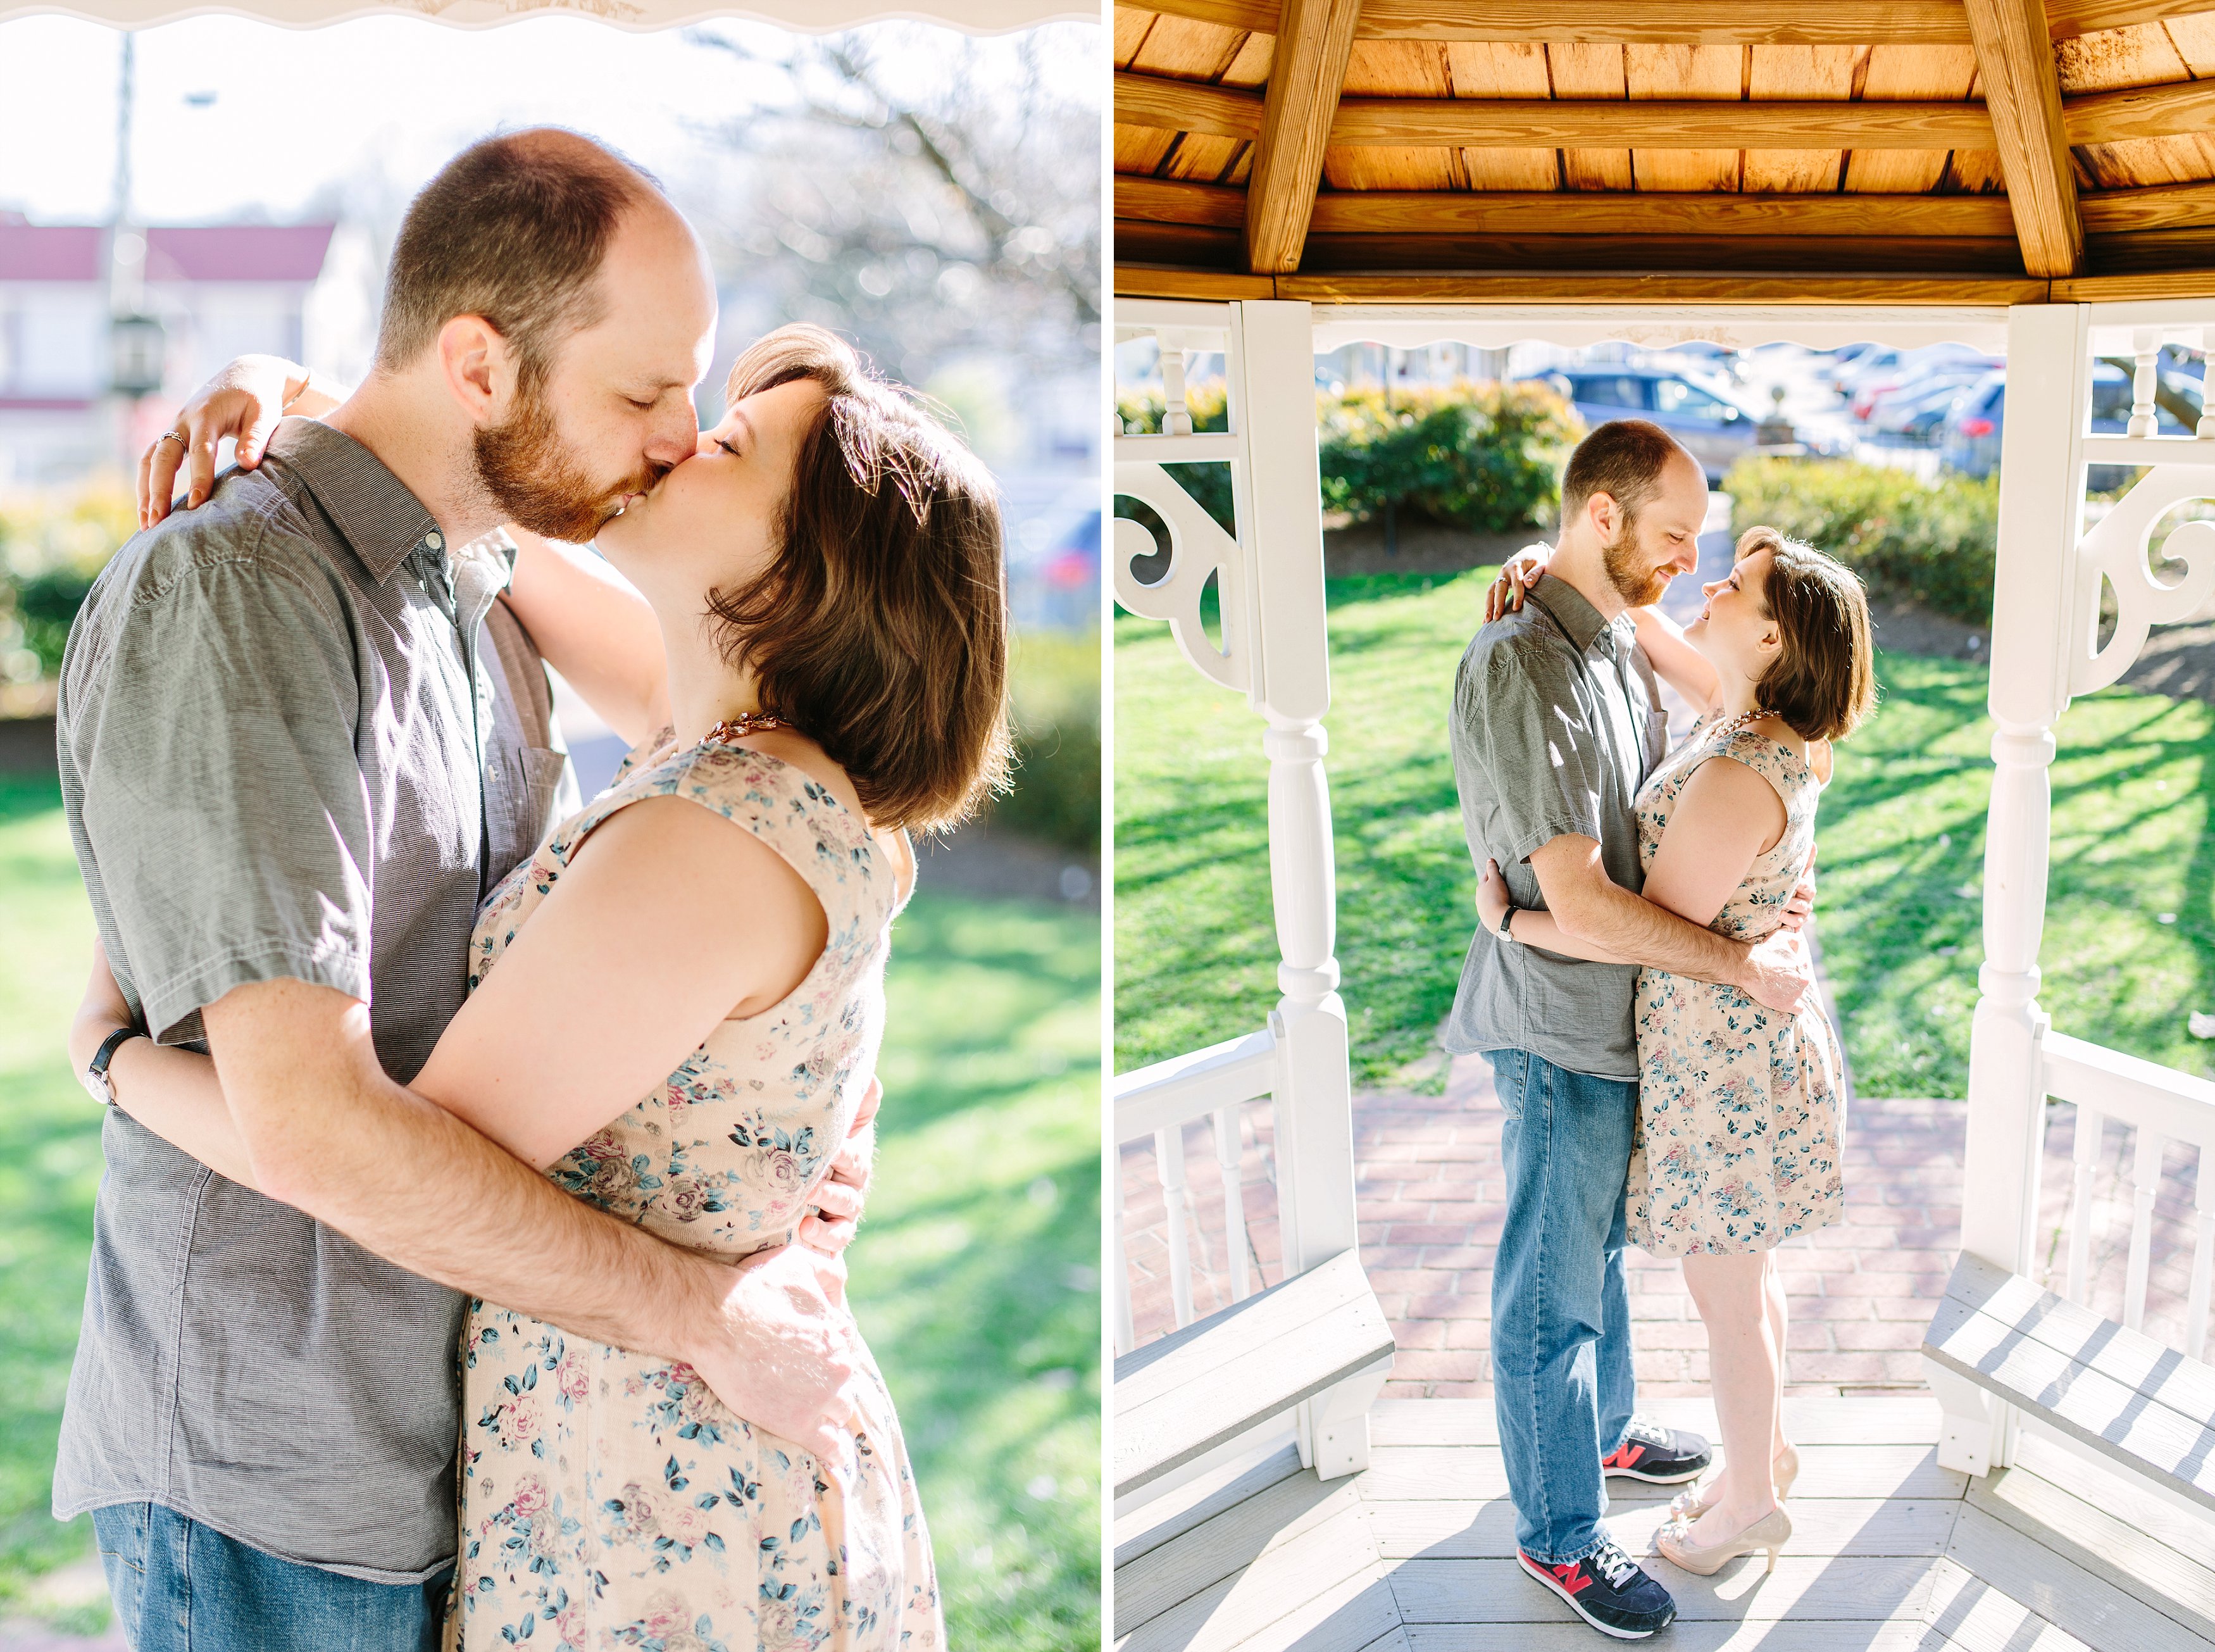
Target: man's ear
478,367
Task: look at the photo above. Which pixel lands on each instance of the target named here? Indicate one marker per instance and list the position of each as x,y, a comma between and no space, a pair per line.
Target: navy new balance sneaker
1659,1456
1609,1590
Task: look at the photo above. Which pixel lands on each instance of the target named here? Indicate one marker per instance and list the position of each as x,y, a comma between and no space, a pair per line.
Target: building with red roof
218,290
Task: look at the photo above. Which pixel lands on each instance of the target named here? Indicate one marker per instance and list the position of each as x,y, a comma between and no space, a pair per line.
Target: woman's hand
1493,899
829,1227
1517,575
102,1012
245,399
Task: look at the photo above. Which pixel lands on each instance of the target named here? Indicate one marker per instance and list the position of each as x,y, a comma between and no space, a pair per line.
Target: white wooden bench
2126,1398
1220,1378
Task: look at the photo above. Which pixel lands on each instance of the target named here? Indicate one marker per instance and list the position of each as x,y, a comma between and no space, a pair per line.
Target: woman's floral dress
609,1499
1741,1111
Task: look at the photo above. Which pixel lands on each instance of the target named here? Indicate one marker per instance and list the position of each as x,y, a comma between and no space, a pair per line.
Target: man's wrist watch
1505,918
97,1079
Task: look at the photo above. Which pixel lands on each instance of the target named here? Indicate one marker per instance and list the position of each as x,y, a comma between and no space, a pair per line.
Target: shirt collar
382,522
1579,620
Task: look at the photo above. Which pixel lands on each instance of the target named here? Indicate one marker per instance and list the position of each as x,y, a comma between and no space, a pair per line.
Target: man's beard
1636,580
536,481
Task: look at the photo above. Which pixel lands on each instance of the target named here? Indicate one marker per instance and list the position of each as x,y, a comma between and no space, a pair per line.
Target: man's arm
1587,906
406,1179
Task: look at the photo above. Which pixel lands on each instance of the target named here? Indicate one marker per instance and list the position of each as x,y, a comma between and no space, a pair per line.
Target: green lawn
1901,837
976,1276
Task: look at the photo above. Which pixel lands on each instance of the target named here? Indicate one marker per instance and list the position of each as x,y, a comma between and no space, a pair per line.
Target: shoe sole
1677,1477
1570,1601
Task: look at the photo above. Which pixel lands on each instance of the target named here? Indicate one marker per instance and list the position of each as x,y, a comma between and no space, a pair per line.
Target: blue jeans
179,1586
1561,1378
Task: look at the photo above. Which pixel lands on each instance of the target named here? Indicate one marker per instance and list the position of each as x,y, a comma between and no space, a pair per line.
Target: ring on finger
176,436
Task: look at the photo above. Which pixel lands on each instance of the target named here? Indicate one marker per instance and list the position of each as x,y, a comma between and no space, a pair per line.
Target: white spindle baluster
1126,1331
2203,1257
1169,1154
1230,1149
1176,418
2144,420
2145,1176
2091,1126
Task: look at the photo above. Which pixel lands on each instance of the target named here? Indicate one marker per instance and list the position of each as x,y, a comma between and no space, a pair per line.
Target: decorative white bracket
2115,552
1198,548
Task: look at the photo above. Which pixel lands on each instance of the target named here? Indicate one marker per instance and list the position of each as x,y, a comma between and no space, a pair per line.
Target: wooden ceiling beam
1482,211
2023,90
1705,22
1315,38
2066,19
2118,117
1485,211
1681,23
1450,286
1186,106
1523,123
2139,111
2164,206
1634,22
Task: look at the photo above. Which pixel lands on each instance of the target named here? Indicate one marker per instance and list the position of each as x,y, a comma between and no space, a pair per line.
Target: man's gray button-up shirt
283,757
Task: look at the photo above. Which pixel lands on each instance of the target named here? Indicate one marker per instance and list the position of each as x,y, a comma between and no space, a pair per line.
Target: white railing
2161,1106
1158,1103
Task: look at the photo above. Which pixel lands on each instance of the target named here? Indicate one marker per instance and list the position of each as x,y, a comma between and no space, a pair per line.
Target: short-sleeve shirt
1556,723
300,738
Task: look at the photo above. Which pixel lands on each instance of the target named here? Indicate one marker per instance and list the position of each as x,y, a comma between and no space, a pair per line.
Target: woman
826,578
1741,1119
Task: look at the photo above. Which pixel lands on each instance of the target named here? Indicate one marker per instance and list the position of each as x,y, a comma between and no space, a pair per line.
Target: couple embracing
1639,987
467,1146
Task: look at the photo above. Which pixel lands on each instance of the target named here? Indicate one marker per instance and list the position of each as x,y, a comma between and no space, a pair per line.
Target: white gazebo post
1291,687
1269,583
2034,614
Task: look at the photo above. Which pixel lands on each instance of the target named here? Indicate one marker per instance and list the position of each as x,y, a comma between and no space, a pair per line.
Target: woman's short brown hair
1824,680
880,627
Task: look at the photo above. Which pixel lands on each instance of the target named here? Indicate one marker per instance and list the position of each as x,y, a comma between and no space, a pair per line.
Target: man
300,741
1557,722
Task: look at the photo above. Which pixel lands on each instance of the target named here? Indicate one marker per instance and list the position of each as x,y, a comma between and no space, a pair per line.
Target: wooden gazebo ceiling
1982,151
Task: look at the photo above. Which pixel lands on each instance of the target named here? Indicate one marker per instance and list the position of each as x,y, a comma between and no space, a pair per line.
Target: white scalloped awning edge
803,17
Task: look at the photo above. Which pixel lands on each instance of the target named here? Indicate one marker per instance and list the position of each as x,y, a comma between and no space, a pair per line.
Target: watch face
96,1085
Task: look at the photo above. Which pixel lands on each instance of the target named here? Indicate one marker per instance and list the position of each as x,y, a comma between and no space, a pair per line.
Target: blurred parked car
1916,412
1716,429
1970,441
1915,378
1875,369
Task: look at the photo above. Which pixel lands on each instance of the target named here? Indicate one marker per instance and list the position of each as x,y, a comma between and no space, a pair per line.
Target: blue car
1716,430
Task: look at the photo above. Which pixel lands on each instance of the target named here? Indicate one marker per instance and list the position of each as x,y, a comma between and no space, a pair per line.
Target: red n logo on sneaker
1572,1578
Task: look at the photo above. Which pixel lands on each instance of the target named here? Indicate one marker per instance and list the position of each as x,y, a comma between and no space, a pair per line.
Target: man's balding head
513,229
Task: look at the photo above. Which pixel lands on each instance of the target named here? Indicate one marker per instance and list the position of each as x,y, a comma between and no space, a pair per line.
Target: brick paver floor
1431,1189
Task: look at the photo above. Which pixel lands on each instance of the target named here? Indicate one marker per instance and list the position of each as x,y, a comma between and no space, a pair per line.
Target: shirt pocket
519,804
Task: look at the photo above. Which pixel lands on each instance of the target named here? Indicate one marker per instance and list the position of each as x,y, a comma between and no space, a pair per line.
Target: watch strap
95,1072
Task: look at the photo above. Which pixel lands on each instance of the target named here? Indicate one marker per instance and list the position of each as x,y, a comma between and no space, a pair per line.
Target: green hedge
50,547
1055,678
1476,455
1481,456
1927,543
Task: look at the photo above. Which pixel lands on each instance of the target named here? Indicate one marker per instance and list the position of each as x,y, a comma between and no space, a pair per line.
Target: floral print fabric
609,1499
1741,1111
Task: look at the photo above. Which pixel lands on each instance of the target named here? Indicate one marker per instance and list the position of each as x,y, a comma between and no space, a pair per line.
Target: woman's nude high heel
1689,1504
1771,1532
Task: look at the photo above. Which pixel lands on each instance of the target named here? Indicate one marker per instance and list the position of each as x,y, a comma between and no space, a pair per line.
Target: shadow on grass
1901,839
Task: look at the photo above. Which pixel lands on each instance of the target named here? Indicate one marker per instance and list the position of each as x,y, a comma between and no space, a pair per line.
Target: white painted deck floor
1890,1552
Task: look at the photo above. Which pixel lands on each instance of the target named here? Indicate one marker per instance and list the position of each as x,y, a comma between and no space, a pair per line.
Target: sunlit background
171,199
